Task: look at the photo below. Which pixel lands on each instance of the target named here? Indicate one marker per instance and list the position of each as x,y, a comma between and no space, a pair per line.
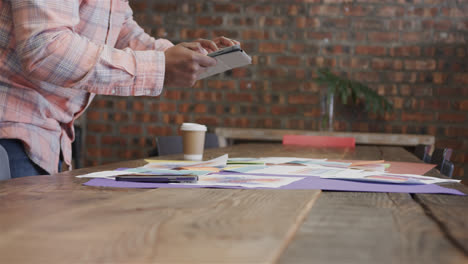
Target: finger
223,41
208,45
195,46
204,61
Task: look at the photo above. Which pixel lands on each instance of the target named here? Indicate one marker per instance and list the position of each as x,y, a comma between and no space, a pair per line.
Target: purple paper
308,183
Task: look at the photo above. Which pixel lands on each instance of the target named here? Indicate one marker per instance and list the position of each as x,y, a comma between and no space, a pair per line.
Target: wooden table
55,219
269,134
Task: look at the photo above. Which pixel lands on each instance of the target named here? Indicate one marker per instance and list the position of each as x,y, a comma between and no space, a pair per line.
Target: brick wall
412,51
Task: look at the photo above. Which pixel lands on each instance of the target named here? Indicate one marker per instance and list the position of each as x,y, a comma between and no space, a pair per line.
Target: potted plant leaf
349,91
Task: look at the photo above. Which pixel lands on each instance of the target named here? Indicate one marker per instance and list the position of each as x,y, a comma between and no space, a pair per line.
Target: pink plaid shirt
55,55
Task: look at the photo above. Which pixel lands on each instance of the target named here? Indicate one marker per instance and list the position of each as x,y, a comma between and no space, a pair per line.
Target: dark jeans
20,164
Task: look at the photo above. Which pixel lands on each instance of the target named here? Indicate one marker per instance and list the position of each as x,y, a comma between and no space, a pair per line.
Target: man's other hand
184,63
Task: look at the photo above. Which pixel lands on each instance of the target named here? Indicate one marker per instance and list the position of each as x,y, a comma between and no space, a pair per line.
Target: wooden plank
383,228
345,227
450,212
162,226
361,138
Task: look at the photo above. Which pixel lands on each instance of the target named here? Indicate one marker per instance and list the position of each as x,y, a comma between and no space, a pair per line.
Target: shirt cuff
149,76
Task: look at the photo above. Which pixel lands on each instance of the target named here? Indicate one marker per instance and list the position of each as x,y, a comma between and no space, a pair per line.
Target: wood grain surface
55,219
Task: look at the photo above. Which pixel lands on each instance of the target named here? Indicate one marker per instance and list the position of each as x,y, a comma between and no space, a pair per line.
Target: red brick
227,8
283,110
415,37
297,48
386,64
464,105
222,85
91,140
325,10
461,78
405,51
356,10
259,9
240,97
237,122
455,12
333,23
272,73
208,121
269,47
337,1
113,140
307,22
437,25
241,72
99,128
119,117
303,99
164,8
390,11
355,63
272,21
452,117
130,129
417,117
93,115
190,34
420,65
383,36
164,107
200,108
322,62
159,130
144,117
370,50
138,106
209,21
288,60
319,35
208,96
255,34
422,12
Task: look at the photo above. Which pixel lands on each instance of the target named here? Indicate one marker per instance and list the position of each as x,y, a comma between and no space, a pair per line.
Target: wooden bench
259,134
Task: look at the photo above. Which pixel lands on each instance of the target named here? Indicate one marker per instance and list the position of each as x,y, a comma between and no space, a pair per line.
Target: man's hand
184,62
215,44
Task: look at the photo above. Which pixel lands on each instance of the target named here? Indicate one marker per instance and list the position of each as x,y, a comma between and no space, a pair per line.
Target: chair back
319,141
447,168
439,155
5,173
168,145
211,141
423,152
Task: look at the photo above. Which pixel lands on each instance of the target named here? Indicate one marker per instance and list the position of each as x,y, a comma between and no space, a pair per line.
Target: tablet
225,51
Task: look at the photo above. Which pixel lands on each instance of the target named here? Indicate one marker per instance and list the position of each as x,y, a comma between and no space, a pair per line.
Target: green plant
353,91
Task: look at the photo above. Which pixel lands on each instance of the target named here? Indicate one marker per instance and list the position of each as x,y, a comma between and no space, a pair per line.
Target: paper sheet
244,180
308,183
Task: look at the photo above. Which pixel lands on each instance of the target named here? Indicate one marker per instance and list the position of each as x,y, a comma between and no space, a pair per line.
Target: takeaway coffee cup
193,138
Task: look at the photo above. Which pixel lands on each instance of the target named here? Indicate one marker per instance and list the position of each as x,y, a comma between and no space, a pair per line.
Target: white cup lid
193,127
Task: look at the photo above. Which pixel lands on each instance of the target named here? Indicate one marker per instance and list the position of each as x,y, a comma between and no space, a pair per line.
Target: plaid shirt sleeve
51,51
134,37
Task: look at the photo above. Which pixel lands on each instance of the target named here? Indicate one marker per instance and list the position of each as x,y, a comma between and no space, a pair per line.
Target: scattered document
245,180
389,178
219,162
293,170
